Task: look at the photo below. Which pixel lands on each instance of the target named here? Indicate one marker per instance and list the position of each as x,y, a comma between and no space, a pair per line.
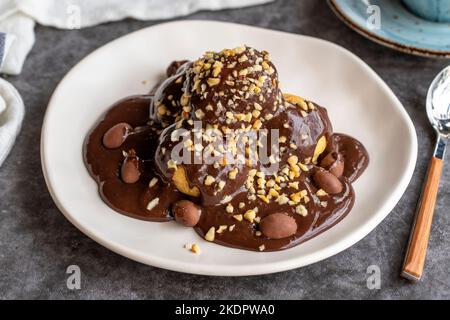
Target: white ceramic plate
358,101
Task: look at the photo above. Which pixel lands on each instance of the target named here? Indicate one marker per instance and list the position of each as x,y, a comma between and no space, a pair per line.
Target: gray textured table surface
37,243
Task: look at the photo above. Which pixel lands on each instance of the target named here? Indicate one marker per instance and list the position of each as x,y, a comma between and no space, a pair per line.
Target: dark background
37,243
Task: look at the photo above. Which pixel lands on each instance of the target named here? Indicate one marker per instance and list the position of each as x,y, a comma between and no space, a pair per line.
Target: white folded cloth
11,116
18,17
17,31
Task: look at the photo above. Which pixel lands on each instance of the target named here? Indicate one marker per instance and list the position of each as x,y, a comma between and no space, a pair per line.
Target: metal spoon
438,111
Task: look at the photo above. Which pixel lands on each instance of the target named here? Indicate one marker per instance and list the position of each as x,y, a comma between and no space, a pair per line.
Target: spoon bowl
438,103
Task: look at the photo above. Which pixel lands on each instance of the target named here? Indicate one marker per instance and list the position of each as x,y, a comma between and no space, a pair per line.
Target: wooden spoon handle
418,242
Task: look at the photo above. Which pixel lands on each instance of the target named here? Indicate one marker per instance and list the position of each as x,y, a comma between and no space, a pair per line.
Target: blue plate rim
442,54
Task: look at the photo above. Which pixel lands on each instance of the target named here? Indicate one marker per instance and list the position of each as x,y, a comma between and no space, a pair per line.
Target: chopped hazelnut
213,81
301,210
226,199
250,215
292,160
209,180
238,217
222,229
195,248
153,182
152,204
221,184
209,236
233,173
282,199
303,167
264,198
293,185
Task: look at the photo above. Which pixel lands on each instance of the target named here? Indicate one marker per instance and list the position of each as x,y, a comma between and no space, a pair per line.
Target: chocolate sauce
105,164
229,197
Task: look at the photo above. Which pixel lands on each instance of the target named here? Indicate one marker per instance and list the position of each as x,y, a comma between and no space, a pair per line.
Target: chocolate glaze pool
234,203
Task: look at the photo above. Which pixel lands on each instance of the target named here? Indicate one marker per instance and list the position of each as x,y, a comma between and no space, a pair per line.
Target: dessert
217,146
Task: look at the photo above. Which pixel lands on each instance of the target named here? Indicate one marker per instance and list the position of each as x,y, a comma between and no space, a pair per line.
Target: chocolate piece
328,182
186,212
116,135
334,163
355,155
329,159
130,168
337,168
278,226
174,66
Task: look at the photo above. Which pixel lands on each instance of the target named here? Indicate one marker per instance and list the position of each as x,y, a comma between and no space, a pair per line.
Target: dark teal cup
433,10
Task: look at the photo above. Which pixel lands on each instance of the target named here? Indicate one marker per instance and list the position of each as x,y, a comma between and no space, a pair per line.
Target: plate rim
421,52
350,238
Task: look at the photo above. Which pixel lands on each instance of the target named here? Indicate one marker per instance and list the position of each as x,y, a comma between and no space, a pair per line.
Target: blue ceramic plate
399,28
